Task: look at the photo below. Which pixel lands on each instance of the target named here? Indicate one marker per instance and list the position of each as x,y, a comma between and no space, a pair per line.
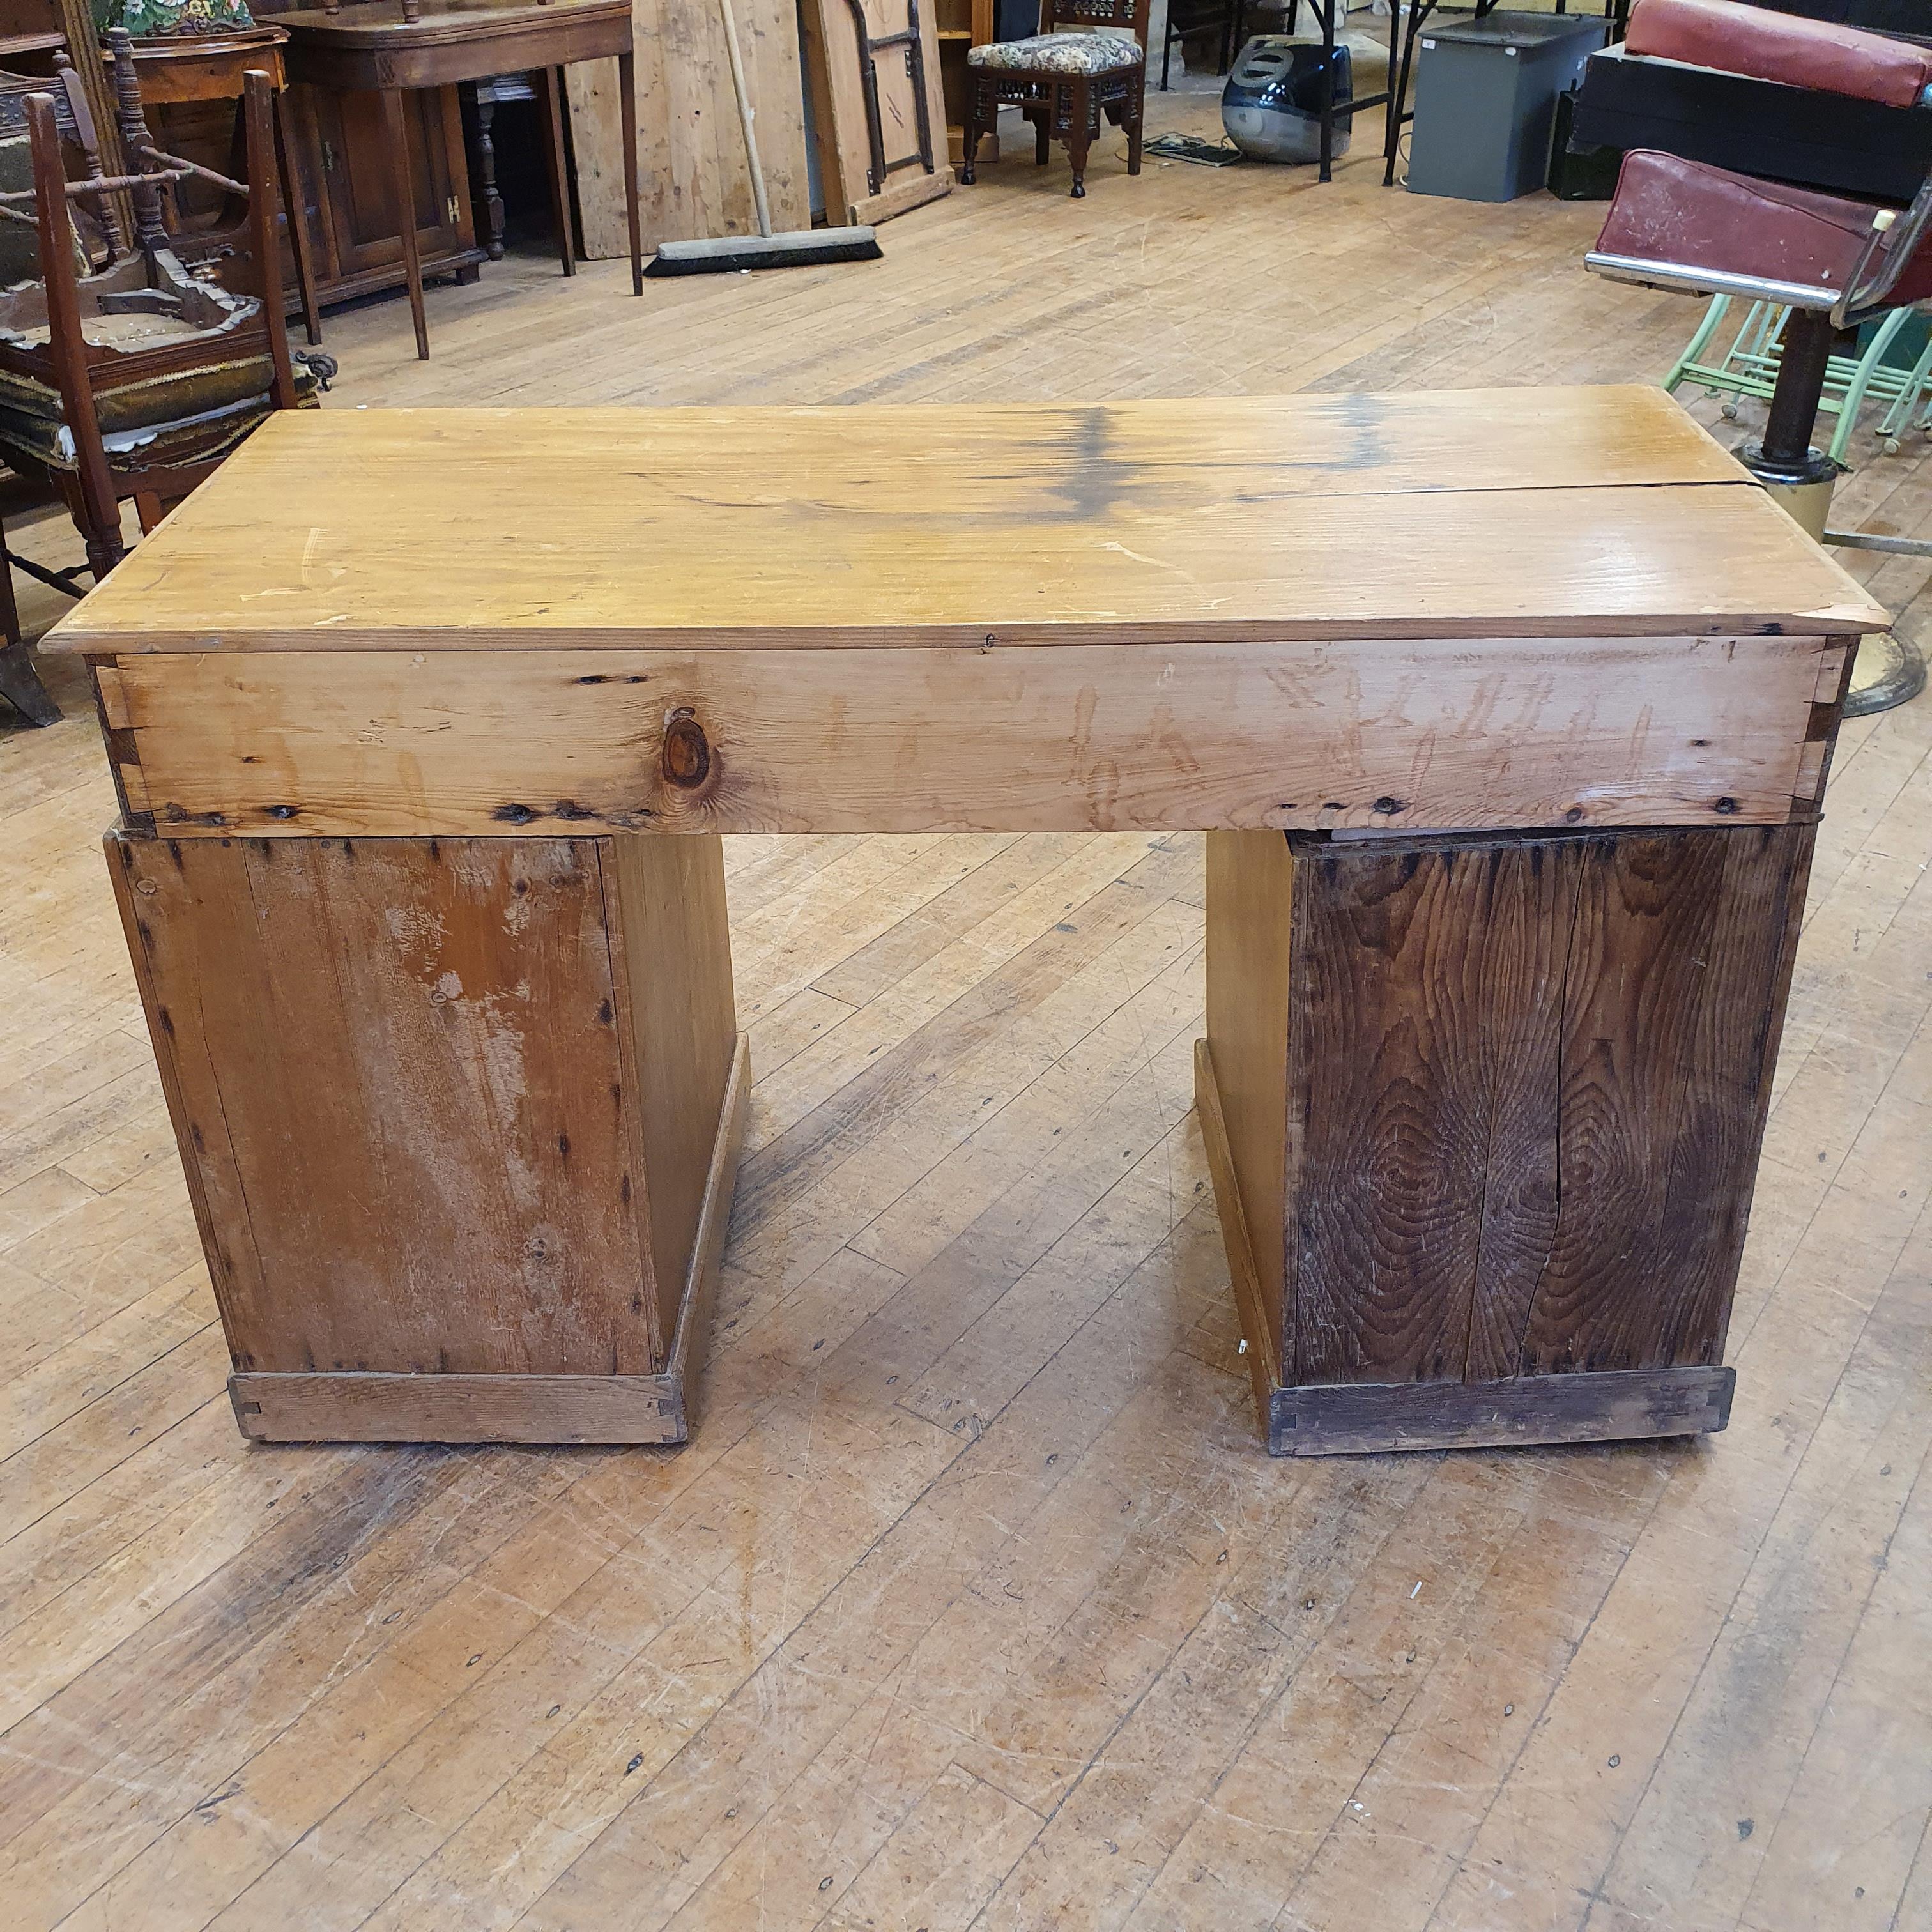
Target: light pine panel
831,45
391,1066
1446,733
692,178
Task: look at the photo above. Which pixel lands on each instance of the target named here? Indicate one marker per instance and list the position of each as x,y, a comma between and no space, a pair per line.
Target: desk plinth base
460,1120
1483,1118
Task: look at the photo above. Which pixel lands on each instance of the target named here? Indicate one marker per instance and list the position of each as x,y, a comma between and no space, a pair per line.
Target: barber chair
1795,130
1681,222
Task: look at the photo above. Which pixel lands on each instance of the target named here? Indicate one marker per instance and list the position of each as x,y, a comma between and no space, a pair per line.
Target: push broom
725,254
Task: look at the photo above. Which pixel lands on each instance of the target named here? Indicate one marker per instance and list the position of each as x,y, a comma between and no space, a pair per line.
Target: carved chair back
44,335
1125,15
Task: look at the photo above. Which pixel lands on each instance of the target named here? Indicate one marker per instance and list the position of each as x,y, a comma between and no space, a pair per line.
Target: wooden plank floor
976,1603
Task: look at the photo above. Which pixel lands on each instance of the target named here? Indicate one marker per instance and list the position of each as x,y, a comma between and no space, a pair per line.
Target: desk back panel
1425,735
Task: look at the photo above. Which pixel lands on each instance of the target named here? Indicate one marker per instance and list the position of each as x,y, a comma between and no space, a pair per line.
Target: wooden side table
389,46
196,68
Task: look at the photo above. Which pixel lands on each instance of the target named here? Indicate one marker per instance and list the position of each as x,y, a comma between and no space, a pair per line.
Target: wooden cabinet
1483,1115
341,178
348,201
402,1023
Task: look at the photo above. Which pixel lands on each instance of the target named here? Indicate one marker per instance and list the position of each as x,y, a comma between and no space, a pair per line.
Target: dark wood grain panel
1679,959
1424,997
1366,1419
1526,911
1525,1083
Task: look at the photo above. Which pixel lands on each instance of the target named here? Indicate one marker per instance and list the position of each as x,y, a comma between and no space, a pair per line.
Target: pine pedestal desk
1506,715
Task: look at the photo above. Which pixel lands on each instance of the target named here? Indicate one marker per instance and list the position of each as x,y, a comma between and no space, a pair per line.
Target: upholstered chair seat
1100,51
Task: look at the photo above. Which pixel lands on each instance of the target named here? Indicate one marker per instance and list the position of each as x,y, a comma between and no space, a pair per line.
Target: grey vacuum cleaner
1271,106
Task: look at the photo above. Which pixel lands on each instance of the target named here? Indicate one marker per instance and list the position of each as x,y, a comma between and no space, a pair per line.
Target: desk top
1520,513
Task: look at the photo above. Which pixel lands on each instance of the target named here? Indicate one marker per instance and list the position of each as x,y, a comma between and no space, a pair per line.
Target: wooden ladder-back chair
125,372
1087,63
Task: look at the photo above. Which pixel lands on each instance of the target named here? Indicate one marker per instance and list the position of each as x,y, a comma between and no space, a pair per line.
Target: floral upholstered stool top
1088,61
160,19
1082,51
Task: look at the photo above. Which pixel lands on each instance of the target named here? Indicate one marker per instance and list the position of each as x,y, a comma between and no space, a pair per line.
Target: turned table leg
460,1118
486,163
1483,1115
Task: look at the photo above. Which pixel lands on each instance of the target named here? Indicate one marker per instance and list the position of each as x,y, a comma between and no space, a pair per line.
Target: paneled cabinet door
348,196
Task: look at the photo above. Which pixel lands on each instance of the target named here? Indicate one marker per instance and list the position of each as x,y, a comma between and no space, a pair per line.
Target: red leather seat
1675,223
1765,46
1830,261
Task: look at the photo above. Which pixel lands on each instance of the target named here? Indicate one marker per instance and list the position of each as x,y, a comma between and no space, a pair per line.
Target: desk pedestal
1483,1115
460,1118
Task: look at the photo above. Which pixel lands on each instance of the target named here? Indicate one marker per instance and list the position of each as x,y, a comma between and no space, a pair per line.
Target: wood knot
687,751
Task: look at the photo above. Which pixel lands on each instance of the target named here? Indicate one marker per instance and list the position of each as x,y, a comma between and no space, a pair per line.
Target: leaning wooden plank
596,146
1442,734
856,188
692,176
1362,1419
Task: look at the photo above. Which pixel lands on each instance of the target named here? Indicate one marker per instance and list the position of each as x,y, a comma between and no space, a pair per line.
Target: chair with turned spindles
126,374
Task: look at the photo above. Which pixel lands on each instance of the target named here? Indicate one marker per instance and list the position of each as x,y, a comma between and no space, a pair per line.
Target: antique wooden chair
1087,61
125,373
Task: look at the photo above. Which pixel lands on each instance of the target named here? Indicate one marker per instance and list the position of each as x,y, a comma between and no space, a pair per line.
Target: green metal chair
1749,367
